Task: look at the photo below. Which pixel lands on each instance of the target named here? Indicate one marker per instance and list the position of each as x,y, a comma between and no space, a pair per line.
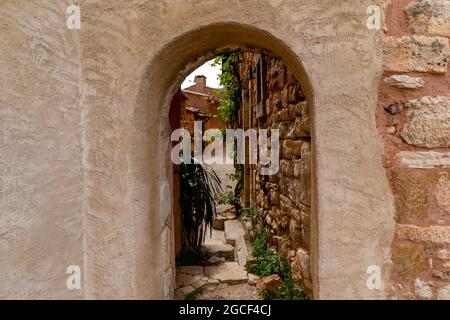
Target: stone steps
215,245
233,229
228,272
225,251
243,251
229,244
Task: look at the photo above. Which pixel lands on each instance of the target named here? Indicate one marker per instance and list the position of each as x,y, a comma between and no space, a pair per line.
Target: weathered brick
428,122
442,192
285,97
404,82
301,266
295,231
285,129
430,234
287,168
295,191
416,53
441,274
283,115
305,174
302,122
287,149
425,159
430,17
408,259
443,293
296,110
274,197
298,148
443,254
411,190
423,289
286,203
297,167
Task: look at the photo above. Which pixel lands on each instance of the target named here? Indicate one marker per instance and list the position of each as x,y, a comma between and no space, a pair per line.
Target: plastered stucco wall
41,157
85,148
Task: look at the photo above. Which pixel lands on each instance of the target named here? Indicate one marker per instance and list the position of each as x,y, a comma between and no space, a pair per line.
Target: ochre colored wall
414,122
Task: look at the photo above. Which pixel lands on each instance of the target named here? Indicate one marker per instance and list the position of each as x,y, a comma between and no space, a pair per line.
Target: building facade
86,176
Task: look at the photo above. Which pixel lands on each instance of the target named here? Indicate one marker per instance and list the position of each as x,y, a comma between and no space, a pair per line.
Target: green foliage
267,263
260,242
229,95
194,294
237,176
199,185
229,101
289,290
266,295
249,213
232,197
227,197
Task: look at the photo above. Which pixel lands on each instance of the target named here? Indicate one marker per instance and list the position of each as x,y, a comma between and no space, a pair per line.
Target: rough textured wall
414,119
114,137
41,154
283,200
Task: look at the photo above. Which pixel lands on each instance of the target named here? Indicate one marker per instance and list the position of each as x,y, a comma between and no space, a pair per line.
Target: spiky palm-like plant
199,185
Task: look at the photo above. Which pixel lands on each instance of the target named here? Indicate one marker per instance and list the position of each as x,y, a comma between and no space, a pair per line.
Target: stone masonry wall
284,200
413,118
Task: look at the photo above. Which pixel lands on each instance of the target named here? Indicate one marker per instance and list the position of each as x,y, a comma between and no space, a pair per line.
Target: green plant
260,242
199,185
248,213
229,102
194,294
233,197
289,290
267,263
229,94
266,295
226,197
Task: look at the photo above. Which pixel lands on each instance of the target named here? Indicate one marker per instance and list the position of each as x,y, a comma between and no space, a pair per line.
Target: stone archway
128,229
85,179
206,46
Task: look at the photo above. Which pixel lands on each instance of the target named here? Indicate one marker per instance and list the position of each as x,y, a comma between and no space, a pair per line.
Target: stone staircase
225,276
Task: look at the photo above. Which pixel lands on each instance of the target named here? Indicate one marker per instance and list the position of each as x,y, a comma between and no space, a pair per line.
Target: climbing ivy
229,101
229,94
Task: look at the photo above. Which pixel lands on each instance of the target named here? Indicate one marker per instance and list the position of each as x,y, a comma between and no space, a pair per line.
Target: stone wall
413,118
85,156
283,200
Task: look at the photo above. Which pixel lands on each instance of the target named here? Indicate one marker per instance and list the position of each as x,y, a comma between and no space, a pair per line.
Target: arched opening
265,200
163,77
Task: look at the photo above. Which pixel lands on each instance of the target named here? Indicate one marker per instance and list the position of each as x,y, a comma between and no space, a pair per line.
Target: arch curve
163,76
125,126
